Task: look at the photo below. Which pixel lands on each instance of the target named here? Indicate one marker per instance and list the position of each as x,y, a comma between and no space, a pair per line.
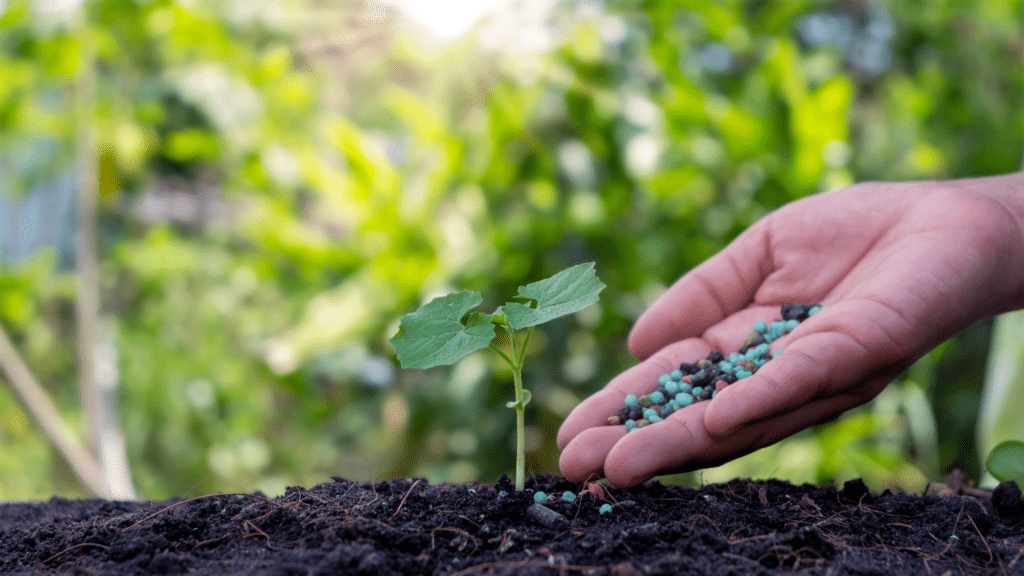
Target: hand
901,268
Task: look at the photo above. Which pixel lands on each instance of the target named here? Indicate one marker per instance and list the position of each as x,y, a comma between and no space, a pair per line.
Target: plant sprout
1006,462
444,331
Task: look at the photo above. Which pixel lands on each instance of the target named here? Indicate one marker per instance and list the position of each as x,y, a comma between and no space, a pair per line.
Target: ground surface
411,527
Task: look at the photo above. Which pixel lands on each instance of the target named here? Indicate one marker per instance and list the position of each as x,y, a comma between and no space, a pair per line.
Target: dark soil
411,527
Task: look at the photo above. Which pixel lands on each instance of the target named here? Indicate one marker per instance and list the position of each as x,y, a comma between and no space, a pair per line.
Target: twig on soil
375,496
476,541
261,517
873,511
1019,554
747,539
796,553
885,548
264,534
453,529
762,497
957,521
774,550
82,545
356,519
959,485
693,522
212,540
579,506
926,557
860,506
749,561
161,511
982,539
805,501
523,563
733,533
402,503
599,491
486,565
470,521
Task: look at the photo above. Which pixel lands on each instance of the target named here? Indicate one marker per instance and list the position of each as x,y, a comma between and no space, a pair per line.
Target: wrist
1007,190
1006,193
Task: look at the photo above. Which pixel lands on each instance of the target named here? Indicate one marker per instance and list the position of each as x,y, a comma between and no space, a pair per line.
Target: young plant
443,331
1006,462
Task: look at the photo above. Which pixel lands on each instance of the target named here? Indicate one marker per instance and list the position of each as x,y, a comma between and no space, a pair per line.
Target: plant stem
517,376
516,364
520,428
512,342
504,356
522,352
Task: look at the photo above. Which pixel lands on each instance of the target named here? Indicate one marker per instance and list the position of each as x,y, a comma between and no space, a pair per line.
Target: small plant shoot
444,331
1006,462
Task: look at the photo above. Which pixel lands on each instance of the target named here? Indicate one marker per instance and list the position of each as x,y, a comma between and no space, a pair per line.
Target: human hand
902,267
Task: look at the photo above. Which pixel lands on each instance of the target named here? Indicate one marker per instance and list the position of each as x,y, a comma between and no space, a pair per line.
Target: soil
410,527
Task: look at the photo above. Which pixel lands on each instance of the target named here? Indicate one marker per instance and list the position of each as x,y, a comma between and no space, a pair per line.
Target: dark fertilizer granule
410,527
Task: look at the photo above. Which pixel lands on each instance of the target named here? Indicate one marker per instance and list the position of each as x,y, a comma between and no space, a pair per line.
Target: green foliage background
278,187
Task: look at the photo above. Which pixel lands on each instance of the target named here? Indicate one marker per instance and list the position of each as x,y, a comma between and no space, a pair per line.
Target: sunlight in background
449,19
520,25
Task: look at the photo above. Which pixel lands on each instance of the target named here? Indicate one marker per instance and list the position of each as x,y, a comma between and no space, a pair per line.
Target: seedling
1006,462
444,331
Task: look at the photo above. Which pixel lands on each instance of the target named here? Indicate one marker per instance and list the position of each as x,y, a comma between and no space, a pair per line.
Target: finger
583,459
832,352
640,379
653,449
680,443
707,294
730,334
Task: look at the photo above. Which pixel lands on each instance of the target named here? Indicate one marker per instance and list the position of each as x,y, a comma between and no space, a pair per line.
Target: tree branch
43,411
86,267
99,408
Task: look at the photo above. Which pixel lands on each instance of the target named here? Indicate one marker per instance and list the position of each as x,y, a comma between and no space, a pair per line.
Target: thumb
706,295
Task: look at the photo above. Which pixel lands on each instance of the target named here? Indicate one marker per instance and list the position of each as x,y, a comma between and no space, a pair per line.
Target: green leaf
571,290
1006,462
478,318
527,396
435,336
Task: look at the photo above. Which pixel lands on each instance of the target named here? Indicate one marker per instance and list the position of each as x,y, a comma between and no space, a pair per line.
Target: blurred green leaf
191,145
1006,462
